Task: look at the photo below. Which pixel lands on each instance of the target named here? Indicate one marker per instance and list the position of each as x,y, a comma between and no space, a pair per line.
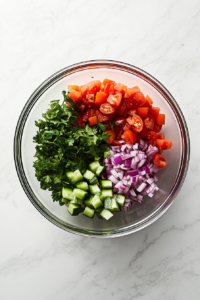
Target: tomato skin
93,120
120,88
136,122
132,112
92,86
75,96
112,136
107,108
136,100
115,100
164,144
148,102
129,137
159,161
152,137
160,136
160,119
121,109
120,121
157,128
109,86
101,117
143,112
101,98
149,122
90,98
92,112
143,134
154,111
127,127
86,115
130,92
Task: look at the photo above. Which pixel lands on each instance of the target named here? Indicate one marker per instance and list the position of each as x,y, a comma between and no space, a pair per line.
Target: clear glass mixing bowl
170,178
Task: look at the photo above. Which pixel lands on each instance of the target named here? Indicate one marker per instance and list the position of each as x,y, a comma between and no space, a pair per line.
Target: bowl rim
112,64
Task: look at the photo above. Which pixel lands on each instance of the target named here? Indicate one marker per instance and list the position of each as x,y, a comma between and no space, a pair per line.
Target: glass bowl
170,178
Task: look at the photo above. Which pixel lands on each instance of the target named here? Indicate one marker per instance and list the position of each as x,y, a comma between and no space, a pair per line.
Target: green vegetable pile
62,145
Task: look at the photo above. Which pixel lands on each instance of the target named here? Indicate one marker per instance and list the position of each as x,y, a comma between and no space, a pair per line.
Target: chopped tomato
136,122
120,121
151,136
82,107
72,88
129,137
107,81
115,100
160,119
154,111
86,115
127,127
92,112
118,142
120,88
101,117
109,86
107,108
137,100
143,134
101,98
112,136
92,86
80,121
93,120
164,144
130,92
121,109
157,128
148,101
159,160
132,112
143,112
90,98
149,122
74,95
160,136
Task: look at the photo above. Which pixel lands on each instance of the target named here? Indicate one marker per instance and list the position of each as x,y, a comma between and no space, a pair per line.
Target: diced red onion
113,179
118,160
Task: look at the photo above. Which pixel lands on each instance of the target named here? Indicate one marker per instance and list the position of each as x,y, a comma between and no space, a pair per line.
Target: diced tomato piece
136,122
109,88
92,86
160,119
101,117
120,121
136,100
80,121
164,144
107,108
107,81
120,88
159,161
93,120
129,137
133,111
130,92
112,136
143,134
121,109
82,107
160,151
127,127
117,142
86,115
92,112
143,112
73,88
151,136
149,122
154,111
160,136
157,128
90,98
115,100
148,101
101,98
75,96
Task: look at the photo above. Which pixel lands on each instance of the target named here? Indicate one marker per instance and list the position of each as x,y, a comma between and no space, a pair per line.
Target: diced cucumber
115,205
106,154
74,177
65,201
88,175
98,211
77,201
106,184
94,180
107,193
67,193
83,186
120,199
88,202
106,214
80,193
94,189
108,204
94,166
73,209
88,212
99,170
96,202
100,196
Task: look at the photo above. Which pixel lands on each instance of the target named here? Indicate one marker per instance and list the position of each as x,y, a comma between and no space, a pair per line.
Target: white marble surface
40,261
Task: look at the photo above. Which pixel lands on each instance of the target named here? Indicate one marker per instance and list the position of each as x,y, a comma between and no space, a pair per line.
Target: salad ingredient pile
100,126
